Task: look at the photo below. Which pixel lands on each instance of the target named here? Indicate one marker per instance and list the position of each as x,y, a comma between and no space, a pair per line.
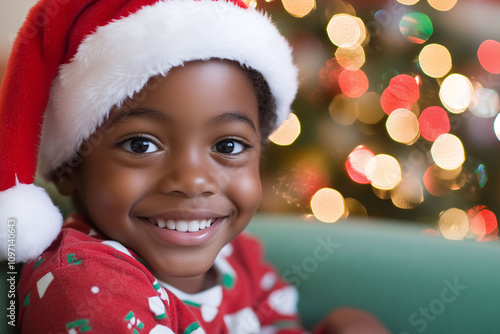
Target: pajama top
84,283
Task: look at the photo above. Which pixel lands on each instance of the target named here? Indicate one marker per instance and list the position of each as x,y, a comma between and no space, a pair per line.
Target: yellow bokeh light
353,207
251,3
448,174
408,194
287,132
343,110
402,126
448,152
352,58
408,2
346,31
456,93
435,60
383,171
369,109
327,205
442,5
496,126
453,224
299,8
382,194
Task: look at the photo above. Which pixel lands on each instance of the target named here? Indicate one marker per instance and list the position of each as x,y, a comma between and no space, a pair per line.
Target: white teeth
203,224
193,226
171,224
182,226
161,223
185,225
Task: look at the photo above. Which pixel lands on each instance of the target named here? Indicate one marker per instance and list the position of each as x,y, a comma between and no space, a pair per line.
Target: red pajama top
85,283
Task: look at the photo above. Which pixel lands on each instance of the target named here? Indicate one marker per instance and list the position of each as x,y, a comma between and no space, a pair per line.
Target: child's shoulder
81,250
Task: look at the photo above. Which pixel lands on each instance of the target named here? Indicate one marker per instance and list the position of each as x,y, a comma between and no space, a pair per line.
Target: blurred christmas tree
396,115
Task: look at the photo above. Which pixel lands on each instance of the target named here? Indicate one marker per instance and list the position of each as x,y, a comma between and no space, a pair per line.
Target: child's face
184,152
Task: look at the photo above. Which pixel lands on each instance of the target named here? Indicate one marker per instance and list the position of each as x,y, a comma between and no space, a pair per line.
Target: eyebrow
139,112
225,118
229,117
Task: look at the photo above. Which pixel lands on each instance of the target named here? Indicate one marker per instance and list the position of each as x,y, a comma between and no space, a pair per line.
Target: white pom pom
29,222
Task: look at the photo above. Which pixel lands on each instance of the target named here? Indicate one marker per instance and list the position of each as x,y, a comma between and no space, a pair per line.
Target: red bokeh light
353,83
482,221
488,54
409,84
433,183
356,164
402,92
328,76
433,122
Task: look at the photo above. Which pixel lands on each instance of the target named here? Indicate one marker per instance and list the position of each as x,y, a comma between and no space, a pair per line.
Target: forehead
198,89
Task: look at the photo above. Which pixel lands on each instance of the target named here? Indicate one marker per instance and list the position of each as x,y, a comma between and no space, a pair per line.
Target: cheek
246,191
110,192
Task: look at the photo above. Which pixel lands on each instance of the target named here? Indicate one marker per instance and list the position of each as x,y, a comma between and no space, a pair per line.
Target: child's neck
194,284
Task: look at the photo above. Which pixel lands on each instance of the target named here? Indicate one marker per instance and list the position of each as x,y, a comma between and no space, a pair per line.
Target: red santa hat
74,60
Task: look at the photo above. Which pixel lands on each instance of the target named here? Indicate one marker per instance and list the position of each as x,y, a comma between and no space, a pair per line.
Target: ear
65,179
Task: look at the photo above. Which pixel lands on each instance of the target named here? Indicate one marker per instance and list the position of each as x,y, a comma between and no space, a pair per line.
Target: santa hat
74,60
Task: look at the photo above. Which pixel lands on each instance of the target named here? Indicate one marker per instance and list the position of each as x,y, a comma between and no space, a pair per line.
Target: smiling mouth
183,225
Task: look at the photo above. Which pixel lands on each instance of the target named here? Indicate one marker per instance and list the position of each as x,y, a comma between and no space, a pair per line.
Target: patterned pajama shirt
85,283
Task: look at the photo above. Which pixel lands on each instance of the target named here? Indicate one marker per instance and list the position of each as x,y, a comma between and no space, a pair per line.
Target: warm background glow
397,114
435,60
456,93
327,205
287,132
299,8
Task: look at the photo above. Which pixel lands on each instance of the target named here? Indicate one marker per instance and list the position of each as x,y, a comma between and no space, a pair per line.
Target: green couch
414,283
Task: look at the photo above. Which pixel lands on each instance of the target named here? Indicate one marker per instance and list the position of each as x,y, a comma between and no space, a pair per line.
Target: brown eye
139,145
229,146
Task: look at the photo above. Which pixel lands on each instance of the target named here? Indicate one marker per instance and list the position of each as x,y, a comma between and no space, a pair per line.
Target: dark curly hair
266,102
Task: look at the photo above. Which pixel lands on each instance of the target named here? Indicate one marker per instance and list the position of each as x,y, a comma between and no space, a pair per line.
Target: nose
189,172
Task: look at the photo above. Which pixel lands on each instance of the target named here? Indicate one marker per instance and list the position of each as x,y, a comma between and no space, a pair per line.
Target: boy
154,122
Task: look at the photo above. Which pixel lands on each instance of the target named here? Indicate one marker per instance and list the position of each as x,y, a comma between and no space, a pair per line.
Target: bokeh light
496,126
299,8
433,122
408,84
401,93
251,3
383,171
351,58
456,93
482,221
454,224
488,54
408,194
328,76
448,152
327,205
343,110
408,2
402,126
353,207
435,60
442,5
416,27
485,103
353,83
434,184
346,31
356,164
481,174
369,109
287,132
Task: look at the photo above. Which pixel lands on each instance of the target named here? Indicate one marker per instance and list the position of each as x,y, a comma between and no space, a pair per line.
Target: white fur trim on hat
119,58
30,222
